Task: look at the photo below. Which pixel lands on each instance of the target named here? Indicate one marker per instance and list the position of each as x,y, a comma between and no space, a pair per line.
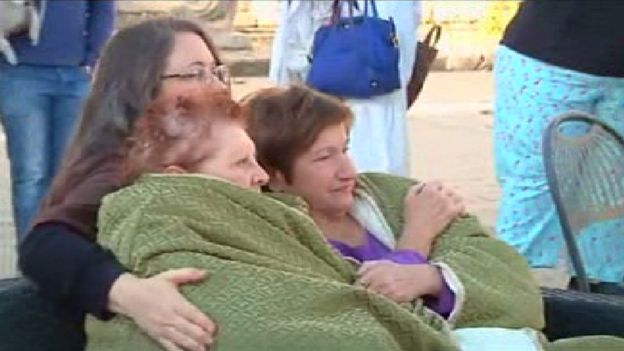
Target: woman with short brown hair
398,225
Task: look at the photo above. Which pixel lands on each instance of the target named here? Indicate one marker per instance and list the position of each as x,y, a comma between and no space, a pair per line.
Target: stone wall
211,12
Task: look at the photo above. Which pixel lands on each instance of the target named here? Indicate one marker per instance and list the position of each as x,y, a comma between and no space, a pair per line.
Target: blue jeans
39,108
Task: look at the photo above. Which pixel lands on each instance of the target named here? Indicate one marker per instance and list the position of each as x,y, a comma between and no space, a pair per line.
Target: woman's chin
343,202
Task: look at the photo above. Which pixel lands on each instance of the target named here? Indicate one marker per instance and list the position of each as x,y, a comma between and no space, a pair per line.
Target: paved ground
450,139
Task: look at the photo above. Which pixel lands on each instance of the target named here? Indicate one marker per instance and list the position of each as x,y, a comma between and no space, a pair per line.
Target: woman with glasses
60,254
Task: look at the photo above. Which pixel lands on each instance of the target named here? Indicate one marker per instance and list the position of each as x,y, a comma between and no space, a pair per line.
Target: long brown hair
127,79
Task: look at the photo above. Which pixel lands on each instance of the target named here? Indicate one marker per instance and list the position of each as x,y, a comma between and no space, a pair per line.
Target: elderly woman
406,232
411,244
275,283
191,196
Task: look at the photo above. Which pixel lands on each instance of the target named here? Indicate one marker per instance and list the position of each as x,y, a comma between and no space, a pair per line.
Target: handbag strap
337,9
434,33
373,6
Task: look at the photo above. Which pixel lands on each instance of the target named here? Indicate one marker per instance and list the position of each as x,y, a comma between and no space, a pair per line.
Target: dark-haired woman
60,254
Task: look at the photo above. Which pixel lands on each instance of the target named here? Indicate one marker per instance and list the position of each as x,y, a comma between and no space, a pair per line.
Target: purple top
373,249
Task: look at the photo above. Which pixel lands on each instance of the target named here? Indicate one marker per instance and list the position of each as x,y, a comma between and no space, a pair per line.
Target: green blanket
497,288
275,284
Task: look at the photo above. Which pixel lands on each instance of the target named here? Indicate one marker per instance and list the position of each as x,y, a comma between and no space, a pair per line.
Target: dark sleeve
69,269
99,27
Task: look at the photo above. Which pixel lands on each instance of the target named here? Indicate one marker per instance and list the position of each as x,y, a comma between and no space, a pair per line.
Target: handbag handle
373,6
337,9
434,33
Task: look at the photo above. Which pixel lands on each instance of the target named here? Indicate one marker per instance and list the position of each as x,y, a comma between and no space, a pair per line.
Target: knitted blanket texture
275,284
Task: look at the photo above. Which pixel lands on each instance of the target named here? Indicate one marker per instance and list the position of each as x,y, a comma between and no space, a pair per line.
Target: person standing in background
556,56
378,137
41,96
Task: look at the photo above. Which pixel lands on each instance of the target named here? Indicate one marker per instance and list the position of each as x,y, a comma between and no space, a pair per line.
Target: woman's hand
158,308
400,282
429,209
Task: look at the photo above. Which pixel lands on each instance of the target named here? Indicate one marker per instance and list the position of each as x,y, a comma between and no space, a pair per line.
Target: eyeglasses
202,74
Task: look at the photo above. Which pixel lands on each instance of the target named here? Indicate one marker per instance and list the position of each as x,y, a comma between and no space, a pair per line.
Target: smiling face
323,175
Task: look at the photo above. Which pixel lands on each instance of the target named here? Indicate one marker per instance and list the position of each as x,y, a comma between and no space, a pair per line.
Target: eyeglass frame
221,73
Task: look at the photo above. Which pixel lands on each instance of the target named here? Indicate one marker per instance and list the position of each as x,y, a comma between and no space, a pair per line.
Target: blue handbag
355,57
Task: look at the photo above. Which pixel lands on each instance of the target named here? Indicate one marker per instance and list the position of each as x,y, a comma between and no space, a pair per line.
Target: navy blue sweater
72,34
76,273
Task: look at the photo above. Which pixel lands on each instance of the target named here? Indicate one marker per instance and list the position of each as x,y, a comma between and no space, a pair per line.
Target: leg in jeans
67,108
25,108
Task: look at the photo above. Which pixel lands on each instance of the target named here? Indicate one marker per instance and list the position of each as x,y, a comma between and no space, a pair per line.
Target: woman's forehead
190,49
330,136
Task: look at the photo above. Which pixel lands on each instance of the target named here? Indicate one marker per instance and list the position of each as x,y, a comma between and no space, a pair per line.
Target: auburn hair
172,126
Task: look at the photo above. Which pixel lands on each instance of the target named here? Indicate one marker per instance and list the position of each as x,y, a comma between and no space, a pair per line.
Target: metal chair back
584,162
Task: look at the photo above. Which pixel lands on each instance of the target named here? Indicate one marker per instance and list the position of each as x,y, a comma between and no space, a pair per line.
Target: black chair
28,322
571,313
584,162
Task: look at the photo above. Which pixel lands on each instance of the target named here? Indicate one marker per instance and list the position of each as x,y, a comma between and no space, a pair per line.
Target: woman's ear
174,169
277,182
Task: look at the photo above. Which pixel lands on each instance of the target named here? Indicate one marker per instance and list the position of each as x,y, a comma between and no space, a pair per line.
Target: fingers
183,275
456,204
367,267
375,283
190,324
192,331
182,340
373,275
377,280
168,345
436,185
451,200
420,188
416,189
430,191
460,206
387,280
159,309
198,325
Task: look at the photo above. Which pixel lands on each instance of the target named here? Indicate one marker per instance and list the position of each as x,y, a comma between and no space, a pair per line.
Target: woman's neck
339,226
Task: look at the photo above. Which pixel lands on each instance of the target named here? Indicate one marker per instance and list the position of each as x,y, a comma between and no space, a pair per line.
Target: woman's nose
261,177
347,168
